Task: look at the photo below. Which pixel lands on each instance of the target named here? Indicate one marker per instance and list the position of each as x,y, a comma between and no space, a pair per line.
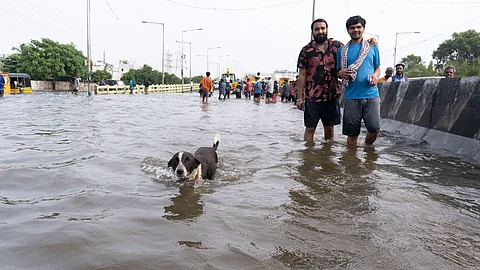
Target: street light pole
211,48
183,56
190,68
395,49
219,66
163,48
89,48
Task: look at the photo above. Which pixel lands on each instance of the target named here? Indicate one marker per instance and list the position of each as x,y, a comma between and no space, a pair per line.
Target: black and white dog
193,168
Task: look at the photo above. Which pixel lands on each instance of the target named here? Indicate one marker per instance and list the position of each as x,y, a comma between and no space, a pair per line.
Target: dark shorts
256,95
328,112
269,95
355,110
205,93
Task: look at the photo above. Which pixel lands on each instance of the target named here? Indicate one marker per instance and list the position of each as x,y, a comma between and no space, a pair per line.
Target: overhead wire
234,9
434,36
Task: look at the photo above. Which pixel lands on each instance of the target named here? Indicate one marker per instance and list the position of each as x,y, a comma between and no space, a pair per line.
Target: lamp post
211,48
190,61
219,65
395,49
183,56
215,63
89,48
163,48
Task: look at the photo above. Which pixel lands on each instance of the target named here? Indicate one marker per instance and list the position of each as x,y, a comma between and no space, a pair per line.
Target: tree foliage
415,67
463,47
99,74
47,60
153,76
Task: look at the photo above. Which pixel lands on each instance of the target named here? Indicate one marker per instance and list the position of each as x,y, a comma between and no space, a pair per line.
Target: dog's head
183,165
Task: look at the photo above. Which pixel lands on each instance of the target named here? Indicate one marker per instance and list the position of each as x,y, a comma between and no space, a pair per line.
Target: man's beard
320,39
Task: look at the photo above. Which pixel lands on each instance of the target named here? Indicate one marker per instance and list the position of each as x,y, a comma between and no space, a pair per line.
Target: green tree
99,74
195,79
47,60
463,47
415,67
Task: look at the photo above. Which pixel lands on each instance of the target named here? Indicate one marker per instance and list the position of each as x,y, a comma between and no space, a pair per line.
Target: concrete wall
443,112
48,86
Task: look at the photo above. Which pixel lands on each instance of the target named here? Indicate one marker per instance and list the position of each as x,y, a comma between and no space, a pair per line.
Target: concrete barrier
443,112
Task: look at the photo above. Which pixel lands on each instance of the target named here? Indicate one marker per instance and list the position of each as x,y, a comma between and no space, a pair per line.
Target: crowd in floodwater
265,89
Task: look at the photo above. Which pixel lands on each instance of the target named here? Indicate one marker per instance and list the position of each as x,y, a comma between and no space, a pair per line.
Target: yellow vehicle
281,80
17,83
230,77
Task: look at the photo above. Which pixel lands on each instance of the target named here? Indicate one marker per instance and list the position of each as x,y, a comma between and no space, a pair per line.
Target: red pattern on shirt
321,82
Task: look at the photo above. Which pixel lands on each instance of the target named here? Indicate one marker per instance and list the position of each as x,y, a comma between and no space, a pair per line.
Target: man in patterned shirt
318,86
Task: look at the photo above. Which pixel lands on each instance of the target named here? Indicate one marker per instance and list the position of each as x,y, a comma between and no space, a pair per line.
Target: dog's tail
216,141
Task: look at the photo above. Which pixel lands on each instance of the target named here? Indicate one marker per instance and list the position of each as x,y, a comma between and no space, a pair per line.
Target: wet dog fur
192,169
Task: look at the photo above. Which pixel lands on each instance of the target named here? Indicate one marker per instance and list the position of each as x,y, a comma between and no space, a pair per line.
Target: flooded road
84,184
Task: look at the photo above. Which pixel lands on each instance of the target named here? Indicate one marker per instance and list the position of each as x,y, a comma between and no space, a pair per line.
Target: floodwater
84,184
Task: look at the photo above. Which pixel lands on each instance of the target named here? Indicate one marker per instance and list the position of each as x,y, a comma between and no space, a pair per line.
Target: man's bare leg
329,132
371,138
308,137
352,140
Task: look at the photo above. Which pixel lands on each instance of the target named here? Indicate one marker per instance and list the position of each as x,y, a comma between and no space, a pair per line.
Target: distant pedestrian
76,85
285,91
191,86
275,92
228,88
222,89
132,85
388,74
206,84
291,96
2,86
449,72
399,74
146,84
258,90
269,90
248,89
102,82
358,65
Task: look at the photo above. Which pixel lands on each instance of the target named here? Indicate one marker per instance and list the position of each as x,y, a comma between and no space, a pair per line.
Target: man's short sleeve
302,59
376,59
339,58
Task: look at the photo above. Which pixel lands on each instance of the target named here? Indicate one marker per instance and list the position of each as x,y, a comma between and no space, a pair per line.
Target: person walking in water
206,84
76,85
2,86
222,89
359,67
146,84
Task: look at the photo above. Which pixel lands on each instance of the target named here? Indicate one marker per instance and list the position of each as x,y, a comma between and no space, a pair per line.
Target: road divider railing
140,89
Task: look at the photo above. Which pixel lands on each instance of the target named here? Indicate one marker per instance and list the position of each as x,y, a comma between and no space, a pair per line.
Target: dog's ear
170,163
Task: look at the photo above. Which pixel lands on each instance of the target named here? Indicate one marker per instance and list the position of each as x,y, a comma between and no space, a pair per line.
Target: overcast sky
258,35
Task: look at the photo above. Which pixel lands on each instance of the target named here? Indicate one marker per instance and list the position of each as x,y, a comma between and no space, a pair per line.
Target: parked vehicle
17,83
114,82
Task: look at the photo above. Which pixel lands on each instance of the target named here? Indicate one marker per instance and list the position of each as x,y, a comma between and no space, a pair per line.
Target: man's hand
345,73
372,41
299,103
374,80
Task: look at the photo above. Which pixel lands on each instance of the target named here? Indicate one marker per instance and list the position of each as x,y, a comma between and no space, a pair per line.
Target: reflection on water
186,205
84,184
